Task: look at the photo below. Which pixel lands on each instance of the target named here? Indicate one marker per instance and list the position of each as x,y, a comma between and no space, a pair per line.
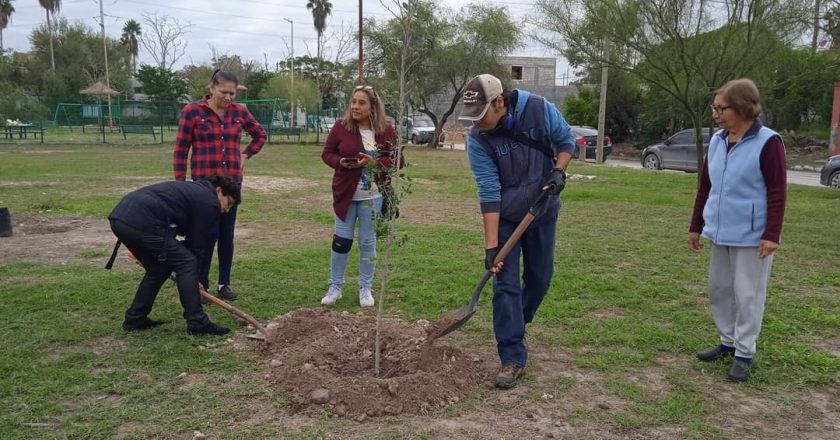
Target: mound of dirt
326,359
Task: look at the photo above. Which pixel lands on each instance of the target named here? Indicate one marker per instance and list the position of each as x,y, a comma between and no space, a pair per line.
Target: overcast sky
253,29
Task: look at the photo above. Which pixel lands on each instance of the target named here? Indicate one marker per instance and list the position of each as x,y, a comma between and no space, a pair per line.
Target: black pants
148,248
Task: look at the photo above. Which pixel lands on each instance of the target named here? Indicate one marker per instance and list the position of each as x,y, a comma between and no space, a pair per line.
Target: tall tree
164,39
685,48
131,39
6,11
50,7
321,9
444,53
161,85
80,61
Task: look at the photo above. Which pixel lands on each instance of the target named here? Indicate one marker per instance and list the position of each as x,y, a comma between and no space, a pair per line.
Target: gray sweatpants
737,290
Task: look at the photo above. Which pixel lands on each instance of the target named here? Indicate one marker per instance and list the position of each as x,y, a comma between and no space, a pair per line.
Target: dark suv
830,173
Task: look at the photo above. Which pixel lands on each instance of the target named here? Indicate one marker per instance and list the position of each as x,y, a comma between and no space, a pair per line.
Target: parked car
678,152
585,135
418,129
830,172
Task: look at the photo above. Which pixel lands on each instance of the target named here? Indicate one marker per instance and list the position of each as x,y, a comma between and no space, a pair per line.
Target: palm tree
130,34
321,9
6,11
51,7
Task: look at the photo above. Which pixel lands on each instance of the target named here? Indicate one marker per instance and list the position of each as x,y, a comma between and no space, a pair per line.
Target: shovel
454,320
210,298
217,301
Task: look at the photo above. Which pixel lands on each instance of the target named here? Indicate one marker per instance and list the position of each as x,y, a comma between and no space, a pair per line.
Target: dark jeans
148,249
224,236
515,303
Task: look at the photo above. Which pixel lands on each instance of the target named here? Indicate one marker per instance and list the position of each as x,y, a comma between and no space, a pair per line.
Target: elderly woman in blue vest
518,147
739,208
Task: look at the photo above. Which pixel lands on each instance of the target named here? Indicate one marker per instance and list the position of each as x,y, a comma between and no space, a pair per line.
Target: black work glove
490,257
555,182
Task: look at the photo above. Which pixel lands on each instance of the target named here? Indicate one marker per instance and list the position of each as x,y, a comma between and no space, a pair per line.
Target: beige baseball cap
478,95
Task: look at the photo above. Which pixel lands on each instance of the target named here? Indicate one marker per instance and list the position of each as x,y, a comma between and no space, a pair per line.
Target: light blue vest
736,211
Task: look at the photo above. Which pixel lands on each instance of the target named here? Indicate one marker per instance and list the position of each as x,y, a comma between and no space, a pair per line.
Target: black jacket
190,209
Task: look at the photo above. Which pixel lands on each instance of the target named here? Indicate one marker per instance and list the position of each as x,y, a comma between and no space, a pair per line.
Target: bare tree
685,48
404,15
163,39
340,45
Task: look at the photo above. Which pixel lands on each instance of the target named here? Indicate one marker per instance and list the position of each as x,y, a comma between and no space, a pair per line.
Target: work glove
555,182
490,257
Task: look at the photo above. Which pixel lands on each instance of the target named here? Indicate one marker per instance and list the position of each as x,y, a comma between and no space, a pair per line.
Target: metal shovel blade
450,322
453,321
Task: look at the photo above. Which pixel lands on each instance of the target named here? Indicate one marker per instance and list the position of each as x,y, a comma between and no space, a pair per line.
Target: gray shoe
740,371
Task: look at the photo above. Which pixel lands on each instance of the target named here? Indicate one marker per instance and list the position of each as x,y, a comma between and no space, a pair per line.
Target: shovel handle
509,244
521,227
233,310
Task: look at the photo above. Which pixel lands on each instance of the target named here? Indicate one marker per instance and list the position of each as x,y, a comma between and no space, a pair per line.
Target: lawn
612,346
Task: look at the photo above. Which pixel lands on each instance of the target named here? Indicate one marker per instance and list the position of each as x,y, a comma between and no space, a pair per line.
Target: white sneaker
333,295
365,297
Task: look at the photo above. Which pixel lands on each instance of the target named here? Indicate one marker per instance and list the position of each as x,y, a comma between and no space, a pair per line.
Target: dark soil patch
57,239
323,359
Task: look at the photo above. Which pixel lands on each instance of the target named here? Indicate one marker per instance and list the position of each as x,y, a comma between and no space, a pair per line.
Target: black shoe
740,371
143,324
226,293
719,351
208,329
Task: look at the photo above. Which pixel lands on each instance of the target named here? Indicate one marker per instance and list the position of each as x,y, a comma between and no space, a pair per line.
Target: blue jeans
224,236
363,211
515,304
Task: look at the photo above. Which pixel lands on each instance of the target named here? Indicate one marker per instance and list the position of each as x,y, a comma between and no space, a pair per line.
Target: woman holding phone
359,148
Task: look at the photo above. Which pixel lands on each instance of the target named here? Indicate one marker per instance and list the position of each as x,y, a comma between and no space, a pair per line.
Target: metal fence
148,122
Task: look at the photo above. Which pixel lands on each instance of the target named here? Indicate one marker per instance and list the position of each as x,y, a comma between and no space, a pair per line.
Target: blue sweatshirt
509,174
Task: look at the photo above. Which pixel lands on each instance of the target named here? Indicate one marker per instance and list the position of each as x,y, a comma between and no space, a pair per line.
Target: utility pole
292,105
105,48
602,107
361,50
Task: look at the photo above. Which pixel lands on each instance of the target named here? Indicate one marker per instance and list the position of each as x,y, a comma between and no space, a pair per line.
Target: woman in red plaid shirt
212,128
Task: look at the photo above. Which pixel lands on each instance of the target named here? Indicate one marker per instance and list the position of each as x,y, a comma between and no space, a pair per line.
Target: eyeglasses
716,109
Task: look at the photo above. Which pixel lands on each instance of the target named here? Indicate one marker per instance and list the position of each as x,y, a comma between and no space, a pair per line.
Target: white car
418,129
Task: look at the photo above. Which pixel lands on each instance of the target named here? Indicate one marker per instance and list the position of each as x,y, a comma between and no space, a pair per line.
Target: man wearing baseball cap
518,147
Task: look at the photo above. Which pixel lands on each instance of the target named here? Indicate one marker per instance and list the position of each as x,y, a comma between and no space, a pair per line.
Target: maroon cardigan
343,143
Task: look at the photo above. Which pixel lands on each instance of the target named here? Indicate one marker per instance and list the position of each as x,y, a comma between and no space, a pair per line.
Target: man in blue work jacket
518,147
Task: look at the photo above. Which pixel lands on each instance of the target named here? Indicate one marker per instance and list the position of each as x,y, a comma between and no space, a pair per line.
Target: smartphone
350,160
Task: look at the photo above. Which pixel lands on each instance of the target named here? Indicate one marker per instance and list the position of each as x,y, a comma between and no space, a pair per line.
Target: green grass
626,291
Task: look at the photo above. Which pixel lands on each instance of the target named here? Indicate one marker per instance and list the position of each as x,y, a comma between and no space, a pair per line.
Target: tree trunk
52,51
439,124
1,40
816,36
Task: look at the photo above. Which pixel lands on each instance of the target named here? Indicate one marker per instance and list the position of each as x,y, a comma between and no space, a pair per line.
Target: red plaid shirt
215,140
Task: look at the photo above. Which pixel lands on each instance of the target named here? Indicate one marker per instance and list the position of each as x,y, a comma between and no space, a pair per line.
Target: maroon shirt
343,143
774,170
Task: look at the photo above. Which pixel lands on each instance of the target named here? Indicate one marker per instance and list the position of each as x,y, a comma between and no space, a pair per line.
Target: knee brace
341,245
